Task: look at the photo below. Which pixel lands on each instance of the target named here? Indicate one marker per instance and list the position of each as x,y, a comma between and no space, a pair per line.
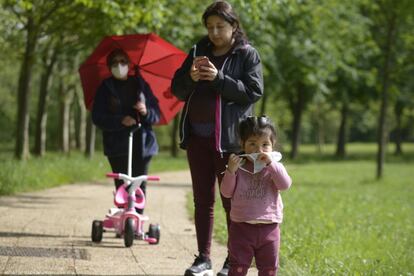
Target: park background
338,84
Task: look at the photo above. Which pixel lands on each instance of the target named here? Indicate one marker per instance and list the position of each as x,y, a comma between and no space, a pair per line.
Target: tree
32,16
300,67
49,58
388,18
404,100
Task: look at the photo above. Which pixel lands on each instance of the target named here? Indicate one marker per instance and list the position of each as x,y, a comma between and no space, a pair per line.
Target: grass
52,170
339,220
58,169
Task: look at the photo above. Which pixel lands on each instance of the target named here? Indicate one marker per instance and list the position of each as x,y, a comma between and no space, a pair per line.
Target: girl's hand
141,108
194,72
128,121
234,163
208,72
265,158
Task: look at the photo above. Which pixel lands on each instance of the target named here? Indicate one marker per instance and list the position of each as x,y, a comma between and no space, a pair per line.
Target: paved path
48,232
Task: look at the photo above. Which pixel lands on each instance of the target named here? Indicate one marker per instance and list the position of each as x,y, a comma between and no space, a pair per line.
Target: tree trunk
90,137
22,128
41,120
398,111
320,133
342,133
297,111
72,126
66,100
382,131
81,123
174,135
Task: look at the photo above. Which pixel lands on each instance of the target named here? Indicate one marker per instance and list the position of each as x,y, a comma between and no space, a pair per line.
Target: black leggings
119,164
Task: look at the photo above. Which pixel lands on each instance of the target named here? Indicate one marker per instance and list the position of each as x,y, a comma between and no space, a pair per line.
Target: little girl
253,181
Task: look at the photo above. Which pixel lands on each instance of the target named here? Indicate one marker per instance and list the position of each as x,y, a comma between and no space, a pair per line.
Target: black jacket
239,84
108,119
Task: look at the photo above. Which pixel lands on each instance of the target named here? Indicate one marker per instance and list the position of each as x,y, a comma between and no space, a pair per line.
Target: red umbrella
156,60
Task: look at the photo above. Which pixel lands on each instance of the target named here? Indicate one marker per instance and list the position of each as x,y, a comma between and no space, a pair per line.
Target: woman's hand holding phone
201,62
194,71
203,69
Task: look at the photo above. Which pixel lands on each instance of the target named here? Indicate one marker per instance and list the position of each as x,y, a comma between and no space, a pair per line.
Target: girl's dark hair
116,52
224,10
257,126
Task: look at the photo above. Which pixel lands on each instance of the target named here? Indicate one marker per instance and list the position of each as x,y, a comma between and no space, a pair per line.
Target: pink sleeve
279,176
228,184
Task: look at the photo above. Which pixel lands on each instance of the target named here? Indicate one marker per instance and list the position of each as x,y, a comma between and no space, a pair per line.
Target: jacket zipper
218,114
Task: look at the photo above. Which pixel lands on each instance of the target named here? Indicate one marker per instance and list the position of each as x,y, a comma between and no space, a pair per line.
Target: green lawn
338,220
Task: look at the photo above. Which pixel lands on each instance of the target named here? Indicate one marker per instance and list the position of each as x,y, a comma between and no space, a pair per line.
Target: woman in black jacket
219,81
120,103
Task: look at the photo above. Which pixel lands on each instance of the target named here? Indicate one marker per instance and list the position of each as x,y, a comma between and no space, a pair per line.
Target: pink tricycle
124,219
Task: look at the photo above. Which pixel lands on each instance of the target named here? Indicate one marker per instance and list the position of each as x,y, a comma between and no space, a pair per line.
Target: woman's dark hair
224,10
257,126
116,52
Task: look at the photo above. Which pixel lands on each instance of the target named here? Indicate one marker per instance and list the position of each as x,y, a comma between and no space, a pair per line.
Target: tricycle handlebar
113,175
132,179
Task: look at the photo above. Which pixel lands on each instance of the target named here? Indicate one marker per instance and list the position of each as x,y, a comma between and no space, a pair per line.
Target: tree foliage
320,58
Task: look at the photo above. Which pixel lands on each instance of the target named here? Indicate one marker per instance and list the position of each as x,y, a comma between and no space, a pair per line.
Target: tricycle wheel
129,232
154,232
97,230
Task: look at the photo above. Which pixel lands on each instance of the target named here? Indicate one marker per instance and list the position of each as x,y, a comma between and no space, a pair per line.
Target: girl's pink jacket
256,197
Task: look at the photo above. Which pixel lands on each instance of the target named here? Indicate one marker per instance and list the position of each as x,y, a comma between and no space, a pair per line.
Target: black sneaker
225,270
200,267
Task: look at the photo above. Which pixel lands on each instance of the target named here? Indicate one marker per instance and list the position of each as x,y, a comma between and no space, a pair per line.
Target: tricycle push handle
135,128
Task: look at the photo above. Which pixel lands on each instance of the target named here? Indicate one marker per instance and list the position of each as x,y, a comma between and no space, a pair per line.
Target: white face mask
120,71
259,165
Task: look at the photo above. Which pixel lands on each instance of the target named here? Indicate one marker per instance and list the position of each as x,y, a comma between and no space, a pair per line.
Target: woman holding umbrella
219,81
122,102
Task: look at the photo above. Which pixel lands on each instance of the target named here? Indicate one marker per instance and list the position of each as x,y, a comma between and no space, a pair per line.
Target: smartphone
201,61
